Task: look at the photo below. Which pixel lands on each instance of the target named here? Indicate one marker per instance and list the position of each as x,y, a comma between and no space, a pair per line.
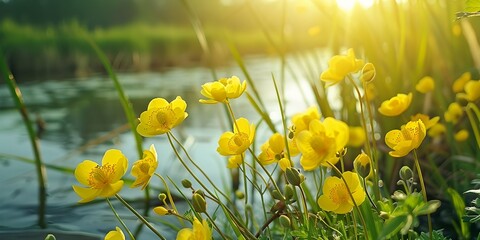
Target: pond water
83,118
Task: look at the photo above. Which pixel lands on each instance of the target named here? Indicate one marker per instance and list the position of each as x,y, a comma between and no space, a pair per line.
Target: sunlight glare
347,5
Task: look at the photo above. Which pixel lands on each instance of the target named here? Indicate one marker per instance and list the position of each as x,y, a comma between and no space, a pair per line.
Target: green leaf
392,226
427,208
472,6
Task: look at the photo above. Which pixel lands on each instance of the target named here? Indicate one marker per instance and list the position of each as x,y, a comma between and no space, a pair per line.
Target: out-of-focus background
166,48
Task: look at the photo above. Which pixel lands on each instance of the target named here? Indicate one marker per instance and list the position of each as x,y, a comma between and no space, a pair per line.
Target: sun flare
348,5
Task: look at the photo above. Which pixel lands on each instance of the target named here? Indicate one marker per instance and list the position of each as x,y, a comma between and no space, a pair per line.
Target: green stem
424,191
119,219
305,208
34,142
470,107
374,141
169,195
140,217
215,226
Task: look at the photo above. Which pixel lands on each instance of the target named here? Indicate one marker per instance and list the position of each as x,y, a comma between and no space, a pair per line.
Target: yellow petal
83,170
111,189
184,234
394,137
157,103
86,194
116,234
326,204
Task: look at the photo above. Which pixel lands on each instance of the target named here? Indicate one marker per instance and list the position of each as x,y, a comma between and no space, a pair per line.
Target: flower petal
83,170
87,194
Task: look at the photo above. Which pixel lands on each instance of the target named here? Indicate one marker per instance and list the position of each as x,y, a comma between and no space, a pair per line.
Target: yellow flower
116,234
339,66
101,181
461,135
425,85
222,90
301,121
321,142
425,119
453,113
356,136
161,116
336,198
160,210
272,150
370,92
236,142
200,231
437,130
235,161
284,163
472,91
395,105
459,84
409,137
144,168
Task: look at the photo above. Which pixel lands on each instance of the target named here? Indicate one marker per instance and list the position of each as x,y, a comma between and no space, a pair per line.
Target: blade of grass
40,167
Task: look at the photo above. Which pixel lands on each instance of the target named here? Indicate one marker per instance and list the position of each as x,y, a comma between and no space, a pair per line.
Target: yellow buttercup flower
362,164
370,92
301,121
101,181
222,90
368,73
162,211
336,198
437,130
236,142
395,105
235,161
472,91
144,168
356,136
116,234
321,142
459,84
161,116
425,85
453,113
339,66
272,150
200,231
285,163
429,122
409,137
461,135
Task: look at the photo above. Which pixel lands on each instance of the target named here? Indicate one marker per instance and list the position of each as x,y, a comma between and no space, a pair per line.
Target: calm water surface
83,118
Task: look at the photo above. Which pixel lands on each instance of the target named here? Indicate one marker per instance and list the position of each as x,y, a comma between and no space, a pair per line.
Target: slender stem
215,226
266,171
169,195
424,191
372,132
120,219
305,208
270,220
34,142
474,124
140,217
170,137
368,195
351,197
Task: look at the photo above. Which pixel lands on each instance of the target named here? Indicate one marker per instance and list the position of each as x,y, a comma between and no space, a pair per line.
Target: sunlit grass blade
34,142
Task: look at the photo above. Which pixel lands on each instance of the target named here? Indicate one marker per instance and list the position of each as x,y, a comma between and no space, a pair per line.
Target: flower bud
50,237
285,221
162,197
199,203
368,73
384,215
239,194
362,164
289,191
277,195
186,183
294,176
161,211
405,173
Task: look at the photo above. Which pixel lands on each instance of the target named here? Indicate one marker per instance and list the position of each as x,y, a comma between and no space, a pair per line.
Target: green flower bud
200,191
285,221
50,237
362,164
239,194
294,176
199,203
384,215
289,191
368,73
405,173
277,195
186,183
